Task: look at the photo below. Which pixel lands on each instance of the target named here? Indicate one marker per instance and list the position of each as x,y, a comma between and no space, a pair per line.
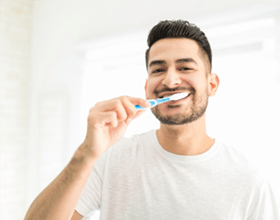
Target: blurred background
58,58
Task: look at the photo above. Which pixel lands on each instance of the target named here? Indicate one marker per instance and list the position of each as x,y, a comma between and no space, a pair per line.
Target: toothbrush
155,102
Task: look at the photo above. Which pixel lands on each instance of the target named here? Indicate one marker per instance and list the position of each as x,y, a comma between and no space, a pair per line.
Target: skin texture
179,66
183,131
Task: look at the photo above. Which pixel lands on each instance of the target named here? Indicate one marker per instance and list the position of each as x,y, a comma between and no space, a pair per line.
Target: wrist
84,155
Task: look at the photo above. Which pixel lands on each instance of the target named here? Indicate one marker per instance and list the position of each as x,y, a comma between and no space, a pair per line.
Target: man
175,172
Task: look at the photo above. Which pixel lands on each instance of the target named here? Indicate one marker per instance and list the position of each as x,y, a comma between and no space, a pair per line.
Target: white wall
64,32
60,34
60,28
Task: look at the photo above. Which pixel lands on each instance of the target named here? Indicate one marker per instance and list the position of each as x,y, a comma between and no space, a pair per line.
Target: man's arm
59,199
107,122
76,216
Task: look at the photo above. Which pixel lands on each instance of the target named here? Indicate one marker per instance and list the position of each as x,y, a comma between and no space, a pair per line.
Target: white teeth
164,96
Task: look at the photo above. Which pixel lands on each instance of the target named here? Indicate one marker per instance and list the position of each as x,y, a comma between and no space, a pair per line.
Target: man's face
177,65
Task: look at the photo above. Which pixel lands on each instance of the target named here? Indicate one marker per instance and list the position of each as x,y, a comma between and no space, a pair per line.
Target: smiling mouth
175,104
167,95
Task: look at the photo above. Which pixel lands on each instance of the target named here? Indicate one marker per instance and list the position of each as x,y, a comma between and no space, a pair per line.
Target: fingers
139,101
116,110
109,118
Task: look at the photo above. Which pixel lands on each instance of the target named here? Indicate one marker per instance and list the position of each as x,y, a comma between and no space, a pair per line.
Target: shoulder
240,166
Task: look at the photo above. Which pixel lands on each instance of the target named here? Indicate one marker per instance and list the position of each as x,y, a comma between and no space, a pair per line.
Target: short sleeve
268,207
89,200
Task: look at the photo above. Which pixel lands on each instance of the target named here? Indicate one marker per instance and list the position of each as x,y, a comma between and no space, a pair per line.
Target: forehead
171,49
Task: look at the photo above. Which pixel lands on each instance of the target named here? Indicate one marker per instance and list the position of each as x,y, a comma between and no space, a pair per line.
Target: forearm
59,199
107,122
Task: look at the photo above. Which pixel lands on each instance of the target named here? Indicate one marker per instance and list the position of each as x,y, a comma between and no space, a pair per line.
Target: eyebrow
183,60
186,60
156,62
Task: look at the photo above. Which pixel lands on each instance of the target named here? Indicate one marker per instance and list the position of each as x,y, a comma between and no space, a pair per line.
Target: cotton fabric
137,179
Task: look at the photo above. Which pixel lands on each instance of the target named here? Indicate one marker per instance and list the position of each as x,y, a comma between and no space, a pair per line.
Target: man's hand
107,123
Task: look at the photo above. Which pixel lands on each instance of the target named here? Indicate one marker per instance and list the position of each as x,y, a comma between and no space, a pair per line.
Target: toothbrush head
178,96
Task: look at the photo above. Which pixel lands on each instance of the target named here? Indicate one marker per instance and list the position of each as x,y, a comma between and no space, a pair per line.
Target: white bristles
178,96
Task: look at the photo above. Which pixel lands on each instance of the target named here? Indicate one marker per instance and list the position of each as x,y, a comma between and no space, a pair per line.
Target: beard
197,110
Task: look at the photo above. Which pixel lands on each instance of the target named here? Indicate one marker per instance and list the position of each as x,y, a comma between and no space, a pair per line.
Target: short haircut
179,29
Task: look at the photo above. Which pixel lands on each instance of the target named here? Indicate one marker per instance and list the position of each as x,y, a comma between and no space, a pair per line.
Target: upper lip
160,95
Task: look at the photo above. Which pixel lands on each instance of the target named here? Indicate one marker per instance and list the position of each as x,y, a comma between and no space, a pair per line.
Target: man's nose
171,78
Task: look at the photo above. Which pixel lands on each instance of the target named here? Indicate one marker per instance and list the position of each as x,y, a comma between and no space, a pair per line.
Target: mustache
181,89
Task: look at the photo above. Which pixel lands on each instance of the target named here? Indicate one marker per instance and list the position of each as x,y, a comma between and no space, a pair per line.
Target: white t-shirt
138,179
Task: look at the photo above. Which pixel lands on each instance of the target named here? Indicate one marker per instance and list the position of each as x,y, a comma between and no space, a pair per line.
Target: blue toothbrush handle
138,107
153,102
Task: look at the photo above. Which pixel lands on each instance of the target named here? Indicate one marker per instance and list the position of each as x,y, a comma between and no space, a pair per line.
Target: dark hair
179,29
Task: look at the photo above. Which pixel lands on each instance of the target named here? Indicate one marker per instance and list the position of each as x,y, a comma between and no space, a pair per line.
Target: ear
213,84
146,88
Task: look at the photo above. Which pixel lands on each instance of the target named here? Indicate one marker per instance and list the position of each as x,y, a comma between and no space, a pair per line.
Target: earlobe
214,82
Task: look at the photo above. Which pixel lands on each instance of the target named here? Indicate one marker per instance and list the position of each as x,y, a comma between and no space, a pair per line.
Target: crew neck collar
183,158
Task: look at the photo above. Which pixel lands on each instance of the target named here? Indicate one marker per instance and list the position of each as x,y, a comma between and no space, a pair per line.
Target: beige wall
16,26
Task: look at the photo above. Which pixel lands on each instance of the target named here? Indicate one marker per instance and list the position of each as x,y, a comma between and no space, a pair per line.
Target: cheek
200,83
151,86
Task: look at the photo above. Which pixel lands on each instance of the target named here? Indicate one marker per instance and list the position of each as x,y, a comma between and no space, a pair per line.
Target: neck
187,139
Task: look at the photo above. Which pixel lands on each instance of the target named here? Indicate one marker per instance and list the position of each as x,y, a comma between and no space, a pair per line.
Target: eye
157,70
184,69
